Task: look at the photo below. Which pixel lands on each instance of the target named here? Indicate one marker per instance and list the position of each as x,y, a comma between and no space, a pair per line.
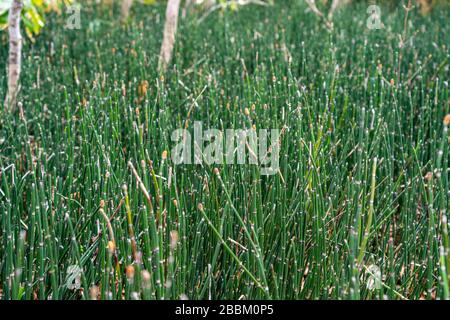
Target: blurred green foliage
33,13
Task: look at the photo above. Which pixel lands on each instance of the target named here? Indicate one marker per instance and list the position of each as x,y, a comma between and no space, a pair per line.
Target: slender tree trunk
125,9
334,5
170,30
186,6
15,54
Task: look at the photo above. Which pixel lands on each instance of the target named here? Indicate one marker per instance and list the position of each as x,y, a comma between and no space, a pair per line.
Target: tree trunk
15,54
187,4
125,9
170,30
334,5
